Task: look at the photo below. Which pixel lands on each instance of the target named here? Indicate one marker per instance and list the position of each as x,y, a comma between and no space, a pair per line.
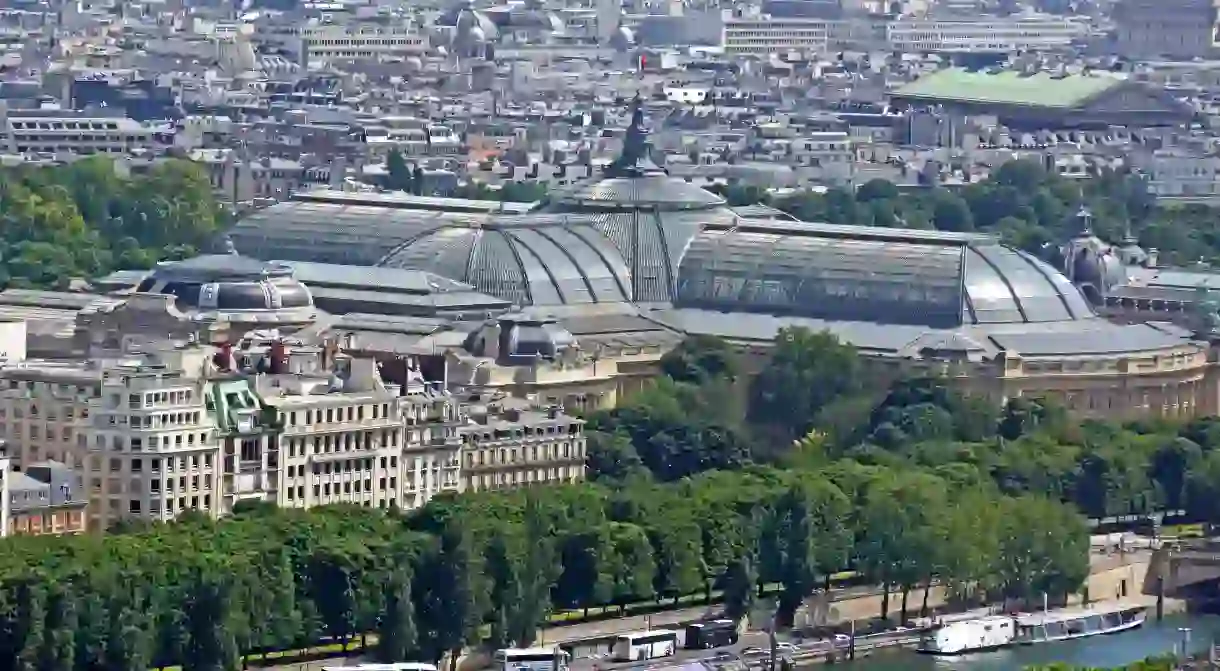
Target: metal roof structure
653,191
363,278
635,258
561,259
761,212
1040,89
930,282
233,288
407,201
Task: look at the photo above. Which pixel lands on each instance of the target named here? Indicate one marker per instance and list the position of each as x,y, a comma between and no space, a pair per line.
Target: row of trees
86,219
1029,207
815,401
200,593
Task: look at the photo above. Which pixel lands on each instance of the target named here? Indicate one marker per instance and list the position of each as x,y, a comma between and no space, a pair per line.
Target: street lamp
772,640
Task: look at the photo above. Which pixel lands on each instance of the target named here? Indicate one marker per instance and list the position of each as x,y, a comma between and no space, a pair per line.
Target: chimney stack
279,357
224,358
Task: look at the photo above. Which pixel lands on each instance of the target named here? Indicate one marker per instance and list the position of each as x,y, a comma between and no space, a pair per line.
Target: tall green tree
699,359
211,639
740,587
632,568
805,372
505,577
58,651
457,599
397,639
539,572
678,551
333,577
129,636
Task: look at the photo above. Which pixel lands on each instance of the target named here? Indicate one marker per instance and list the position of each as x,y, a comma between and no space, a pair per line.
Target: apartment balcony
343,426
525,465
357,453
244,484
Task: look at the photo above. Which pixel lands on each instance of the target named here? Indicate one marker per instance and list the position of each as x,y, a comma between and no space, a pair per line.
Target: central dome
637,235
659,191
618,237
634,182
550,259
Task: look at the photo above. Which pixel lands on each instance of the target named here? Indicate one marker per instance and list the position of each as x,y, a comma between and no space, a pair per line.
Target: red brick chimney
279,357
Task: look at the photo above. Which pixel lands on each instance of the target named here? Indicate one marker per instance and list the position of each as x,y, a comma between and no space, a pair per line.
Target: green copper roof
229,400
1009,87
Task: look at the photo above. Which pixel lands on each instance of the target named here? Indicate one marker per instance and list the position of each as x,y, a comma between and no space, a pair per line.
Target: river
1100,651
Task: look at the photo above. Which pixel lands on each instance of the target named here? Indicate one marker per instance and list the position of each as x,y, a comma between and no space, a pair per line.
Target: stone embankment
1115,577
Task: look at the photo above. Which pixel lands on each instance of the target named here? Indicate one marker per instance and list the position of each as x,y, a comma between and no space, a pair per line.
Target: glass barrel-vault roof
939,282
826,278
335,233
1004,285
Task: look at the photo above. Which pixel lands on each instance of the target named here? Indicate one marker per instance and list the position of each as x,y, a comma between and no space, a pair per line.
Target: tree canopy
901,481
813,403
1020,201
495,564
85,219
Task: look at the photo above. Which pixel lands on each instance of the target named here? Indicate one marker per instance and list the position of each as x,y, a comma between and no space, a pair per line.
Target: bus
401,666
643,645
710,634
531,659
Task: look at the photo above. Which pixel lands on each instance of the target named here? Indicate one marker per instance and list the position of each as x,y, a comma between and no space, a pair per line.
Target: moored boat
1002,631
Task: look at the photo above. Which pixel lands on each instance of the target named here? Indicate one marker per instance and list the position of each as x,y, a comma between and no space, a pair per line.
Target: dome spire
634,159
1085,217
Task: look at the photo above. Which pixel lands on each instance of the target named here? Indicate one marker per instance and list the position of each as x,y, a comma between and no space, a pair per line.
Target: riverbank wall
1113,579
1110,576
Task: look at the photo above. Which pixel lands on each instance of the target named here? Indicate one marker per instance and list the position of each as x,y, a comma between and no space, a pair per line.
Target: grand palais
575,299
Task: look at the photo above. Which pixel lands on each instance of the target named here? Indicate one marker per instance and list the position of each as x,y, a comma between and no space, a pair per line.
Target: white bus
401,666
531,659
645,645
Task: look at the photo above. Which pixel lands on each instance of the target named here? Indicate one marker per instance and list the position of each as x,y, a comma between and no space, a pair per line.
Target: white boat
1003,631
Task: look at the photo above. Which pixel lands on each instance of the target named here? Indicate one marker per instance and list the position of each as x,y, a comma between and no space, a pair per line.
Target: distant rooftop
1009,87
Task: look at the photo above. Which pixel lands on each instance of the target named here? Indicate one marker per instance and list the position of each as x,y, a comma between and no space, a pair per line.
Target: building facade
1180,29
761,36
205,420
522,448
47,498
1179,172
351,42
22,133
990,34
153,450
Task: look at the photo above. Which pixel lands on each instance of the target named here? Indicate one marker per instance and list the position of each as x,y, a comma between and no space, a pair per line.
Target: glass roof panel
825,278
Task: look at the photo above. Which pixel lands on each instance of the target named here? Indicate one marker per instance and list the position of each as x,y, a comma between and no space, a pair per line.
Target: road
670,619
752,651
756,639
